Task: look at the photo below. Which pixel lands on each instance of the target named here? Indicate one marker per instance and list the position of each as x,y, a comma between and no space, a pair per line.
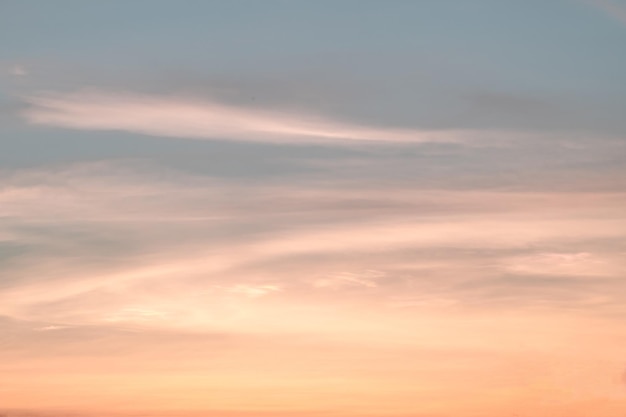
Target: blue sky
312,208
432,57
523,66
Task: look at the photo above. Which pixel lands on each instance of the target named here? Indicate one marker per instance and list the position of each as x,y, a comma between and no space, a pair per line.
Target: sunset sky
323,208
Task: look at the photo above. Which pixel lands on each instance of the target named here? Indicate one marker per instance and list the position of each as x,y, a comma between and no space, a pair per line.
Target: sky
403,208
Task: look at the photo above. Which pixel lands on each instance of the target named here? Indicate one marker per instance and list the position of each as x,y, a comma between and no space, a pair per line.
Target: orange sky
312,208
483,303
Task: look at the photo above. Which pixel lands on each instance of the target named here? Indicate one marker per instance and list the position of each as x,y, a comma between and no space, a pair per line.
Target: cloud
111,245
51,327
578,264
341,280
206,119
147,290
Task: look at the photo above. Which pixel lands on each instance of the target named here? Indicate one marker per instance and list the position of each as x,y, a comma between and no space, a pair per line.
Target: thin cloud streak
207,119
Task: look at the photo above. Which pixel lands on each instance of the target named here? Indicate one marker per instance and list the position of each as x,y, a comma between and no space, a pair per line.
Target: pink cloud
205,119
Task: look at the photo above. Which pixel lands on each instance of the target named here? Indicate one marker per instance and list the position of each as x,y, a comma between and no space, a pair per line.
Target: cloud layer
142,245
139,281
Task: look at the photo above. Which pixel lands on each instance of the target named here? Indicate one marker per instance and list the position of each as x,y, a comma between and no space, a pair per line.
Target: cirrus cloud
207,119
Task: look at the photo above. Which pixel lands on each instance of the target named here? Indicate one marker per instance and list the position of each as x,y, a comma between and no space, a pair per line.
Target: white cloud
346,279
51,327
205,119
577,264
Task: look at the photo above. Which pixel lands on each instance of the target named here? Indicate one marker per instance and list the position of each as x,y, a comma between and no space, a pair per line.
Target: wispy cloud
139,246
127,281
206,119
